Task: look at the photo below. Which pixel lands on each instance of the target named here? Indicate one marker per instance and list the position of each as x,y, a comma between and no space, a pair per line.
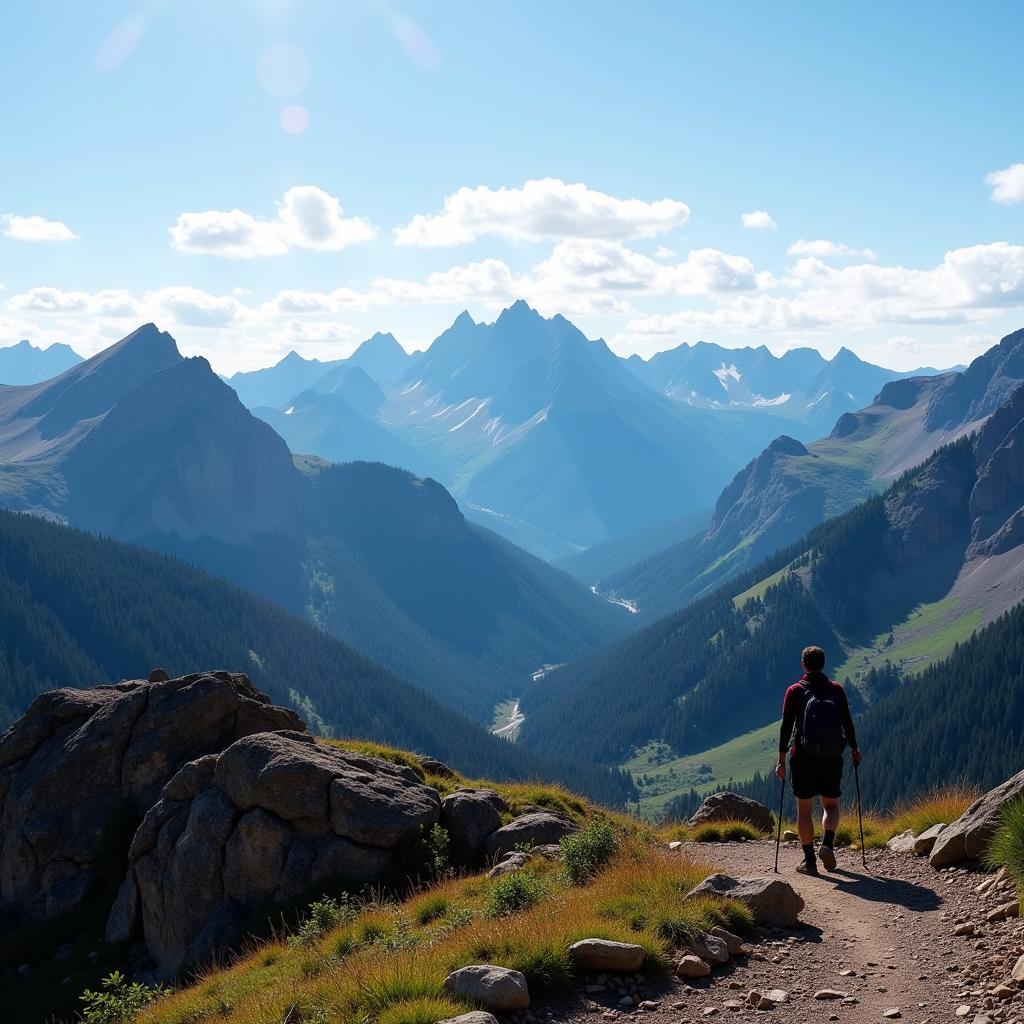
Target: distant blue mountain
25,364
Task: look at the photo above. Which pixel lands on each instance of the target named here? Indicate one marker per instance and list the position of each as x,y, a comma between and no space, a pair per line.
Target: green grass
734,761
1006,848
928,634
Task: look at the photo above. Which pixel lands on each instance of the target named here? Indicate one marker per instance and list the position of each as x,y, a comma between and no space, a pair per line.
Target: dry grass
711,832
387,965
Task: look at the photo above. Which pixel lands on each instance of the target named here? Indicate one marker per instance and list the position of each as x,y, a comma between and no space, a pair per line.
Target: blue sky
606,155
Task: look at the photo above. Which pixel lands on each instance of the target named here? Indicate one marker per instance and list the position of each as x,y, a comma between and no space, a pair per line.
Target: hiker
818,709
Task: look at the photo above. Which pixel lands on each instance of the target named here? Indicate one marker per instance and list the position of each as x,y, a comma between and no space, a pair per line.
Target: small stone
967,928
1004,991
963,1010
830,993
709,1011
892,1013
650,1004
626,1001
733,1004
692,967
753,997
777,995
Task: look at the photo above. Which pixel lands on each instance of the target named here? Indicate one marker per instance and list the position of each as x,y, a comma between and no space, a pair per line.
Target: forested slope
76,610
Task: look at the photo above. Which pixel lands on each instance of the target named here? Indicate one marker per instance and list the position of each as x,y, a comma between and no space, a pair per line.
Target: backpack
821,733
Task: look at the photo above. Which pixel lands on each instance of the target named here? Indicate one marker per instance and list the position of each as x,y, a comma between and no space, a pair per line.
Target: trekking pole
860,819
778,837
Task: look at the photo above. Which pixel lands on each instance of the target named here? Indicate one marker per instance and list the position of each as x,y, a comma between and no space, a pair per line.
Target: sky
260,176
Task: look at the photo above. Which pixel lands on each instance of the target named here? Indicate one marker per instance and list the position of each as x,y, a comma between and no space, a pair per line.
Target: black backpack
821,733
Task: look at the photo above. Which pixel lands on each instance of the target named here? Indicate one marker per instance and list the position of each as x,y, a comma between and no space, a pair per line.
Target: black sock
829,838
809,853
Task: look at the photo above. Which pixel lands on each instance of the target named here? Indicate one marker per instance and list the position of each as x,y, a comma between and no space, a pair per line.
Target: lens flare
294,119
284,70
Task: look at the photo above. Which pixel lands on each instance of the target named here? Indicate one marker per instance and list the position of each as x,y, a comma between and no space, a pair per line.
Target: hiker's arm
851,733
785,733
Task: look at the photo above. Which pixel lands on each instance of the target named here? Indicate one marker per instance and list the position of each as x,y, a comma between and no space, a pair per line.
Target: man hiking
817,709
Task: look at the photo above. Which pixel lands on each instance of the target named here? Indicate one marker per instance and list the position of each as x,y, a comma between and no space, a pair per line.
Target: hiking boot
827,857
804,868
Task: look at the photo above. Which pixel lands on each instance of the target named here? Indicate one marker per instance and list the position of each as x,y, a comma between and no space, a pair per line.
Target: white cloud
193,307
34,229
824,249
540,209
758,220
307,218
49,300
1007,184
971,285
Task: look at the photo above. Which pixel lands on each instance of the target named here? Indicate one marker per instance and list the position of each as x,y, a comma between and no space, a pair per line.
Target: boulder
709,948
535,828
733,807
470,816
772,902
692,967
273,818
510,864
494,988
79,769
473,1017
926,840
903,843
1018,970
967,838
606,955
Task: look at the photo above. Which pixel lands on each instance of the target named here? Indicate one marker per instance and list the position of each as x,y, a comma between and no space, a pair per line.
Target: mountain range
141,444
800,385
548,437
791,487
23,363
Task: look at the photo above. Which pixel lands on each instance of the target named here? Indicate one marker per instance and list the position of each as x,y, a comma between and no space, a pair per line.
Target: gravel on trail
874,946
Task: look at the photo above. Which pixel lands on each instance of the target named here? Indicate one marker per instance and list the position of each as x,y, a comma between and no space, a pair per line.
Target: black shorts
812,776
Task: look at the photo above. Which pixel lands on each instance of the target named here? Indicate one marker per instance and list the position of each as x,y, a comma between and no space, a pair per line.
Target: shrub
321,916
425,854
1006,848
587,851
512,894
431,909
118,1001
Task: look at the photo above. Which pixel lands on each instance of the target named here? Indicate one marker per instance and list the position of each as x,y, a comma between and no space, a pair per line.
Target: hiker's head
813,659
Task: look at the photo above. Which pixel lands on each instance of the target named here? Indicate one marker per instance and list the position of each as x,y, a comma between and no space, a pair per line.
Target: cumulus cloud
107,303
34,229
971,285
1007,184
541,209
824,249
758,220
307,218
193,307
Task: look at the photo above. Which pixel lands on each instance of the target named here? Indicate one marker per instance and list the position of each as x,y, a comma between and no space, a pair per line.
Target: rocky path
882,942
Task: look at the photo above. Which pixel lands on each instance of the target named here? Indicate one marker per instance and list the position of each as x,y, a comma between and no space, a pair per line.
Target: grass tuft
1006,848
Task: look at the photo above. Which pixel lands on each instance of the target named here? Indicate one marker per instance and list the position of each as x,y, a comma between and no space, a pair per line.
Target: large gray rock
710,948
494,988
967,838
536,828
470,816
733,807
606,955
272,818
772,902
81,766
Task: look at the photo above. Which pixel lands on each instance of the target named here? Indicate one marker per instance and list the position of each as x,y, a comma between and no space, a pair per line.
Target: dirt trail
883,937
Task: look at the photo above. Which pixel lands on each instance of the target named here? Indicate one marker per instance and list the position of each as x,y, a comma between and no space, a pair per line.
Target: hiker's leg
829,819
805,821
